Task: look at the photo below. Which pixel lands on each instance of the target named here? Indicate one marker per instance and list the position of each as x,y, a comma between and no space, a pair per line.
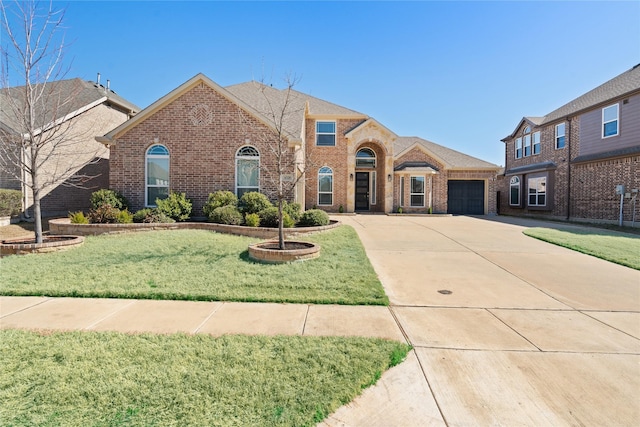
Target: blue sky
461,74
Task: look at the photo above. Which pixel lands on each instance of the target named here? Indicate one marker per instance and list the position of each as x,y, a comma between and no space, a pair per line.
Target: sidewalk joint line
214,311
306,316
109,315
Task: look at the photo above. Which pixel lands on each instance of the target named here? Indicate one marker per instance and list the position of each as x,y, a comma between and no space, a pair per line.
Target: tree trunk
280,225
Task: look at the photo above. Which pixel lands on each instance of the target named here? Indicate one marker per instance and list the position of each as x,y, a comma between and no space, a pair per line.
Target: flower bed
63,226
23,246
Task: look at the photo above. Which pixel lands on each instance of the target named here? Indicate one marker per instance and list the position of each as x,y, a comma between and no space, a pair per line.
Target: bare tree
283,110
38,141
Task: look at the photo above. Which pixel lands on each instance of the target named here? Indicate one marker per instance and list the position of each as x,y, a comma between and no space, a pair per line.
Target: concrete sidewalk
507,330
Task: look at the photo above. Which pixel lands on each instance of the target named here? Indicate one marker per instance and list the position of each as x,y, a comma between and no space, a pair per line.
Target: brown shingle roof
451,158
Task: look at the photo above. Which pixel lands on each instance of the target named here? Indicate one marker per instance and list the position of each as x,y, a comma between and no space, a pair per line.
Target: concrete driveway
507,330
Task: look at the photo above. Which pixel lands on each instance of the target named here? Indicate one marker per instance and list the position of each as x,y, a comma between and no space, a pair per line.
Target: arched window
514,191
325,186
365,158
156,174
247,170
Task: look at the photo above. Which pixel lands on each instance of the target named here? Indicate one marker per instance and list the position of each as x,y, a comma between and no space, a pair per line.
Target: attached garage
466,197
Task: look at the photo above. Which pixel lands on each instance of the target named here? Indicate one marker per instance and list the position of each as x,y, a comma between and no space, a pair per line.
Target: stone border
60,242
276,256
63,226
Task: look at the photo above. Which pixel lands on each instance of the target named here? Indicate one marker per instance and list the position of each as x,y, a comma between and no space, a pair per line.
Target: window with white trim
537,191
325,186
610,116
156,174
417,191
536,143
527,145
326,134
514,191
518,148
402,191
372,185
560,136
247,170
365,159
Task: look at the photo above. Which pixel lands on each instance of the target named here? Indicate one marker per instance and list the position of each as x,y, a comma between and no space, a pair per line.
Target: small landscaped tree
282,109
38,140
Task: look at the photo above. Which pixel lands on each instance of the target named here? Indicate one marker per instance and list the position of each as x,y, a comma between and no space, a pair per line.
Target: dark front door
362,191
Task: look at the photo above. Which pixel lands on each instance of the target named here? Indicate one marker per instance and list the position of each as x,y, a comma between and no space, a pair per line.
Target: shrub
175,206
219,199
226,215
269,218
340,209
108,197
253,202
150,215
10,202
104,214
313,218
252,220
400,210
124,217
294,210
78,218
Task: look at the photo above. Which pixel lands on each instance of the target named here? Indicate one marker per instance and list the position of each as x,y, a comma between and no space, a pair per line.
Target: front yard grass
196,265
115,379
623,249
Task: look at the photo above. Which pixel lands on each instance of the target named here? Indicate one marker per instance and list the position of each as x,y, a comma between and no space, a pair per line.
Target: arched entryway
369,179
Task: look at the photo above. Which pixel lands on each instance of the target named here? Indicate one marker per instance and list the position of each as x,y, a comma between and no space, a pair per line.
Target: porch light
350,177
389,177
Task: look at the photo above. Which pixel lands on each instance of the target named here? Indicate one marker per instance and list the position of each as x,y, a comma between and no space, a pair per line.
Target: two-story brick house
202,137
569,163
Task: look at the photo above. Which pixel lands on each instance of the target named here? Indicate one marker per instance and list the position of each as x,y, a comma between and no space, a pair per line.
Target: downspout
569,144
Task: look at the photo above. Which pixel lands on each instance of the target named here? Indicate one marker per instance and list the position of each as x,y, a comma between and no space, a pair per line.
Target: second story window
536,143
610,121
518,148
326,134
560,138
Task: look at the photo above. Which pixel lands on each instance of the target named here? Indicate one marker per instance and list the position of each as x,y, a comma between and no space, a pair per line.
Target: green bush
10,202
253,202
226,215
269,218
105,214
313,218
252,220
294,210
150,215
175,206
108,197
219,199
124,217
78,218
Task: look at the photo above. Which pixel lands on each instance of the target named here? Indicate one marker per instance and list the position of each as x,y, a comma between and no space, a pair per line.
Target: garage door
466,197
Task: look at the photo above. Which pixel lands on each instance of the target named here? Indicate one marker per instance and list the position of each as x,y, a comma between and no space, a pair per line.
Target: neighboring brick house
77,109
569,163
202,137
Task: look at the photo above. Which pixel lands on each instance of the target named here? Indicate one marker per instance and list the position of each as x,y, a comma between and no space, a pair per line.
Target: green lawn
196,265
114,379
612,246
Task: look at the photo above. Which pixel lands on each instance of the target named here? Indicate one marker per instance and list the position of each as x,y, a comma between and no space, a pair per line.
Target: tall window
417,191
365,158
326,134
157,174
373,184
536,143
514,191
610,121
325,186
560,138
518,148
537,191
402,191
527,144
247,170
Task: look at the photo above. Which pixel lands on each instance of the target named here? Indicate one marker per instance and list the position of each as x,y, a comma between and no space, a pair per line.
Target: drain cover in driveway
445,292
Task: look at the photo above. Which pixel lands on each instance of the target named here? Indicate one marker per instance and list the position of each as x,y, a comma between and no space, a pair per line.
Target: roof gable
450,158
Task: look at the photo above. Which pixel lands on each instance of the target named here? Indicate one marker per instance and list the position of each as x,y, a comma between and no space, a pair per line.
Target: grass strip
196,265
115,379
623,249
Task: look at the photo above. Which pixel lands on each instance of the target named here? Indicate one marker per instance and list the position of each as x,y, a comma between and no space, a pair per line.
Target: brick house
76,109
202,137
569,163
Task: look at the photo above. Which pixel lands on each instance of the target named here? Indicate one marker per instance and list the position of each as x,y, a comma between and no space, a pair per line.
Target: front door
362,191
